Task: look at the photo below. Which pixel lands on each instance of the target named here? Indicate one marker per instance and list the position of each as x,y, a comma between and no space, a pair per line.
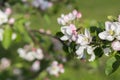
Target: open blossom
116,45
107,51
42,4
111,31
4,63
30,54
55,69
83,42
35,66
66,19
3,17
69,32
84,39
80,52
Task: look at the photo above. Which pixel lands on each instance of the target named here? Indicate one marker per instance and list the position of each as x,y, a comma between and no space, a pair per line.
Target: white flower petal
63,29
14,35
87,33
69,31
114,26
90,50
118,37
80,39
29,56
65,37
39,54
110,38
92,58
107,25
80,51
103,35
116,45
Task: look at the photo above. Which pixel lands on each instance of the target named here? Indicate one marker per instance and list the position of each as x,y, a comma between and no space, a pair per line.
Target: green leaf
59,34
7,37
112,65
98,52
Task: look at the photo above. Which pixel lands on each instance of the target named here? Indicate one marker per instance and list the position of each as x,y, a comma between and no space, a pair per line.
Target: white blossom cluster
4,18
55,69
4,63
42,4
112,34
66,19
69,30
35,66
29,53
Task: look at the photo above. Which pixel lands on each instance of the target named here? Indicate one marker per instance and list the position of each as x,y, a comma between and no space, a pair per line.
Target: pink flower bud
11,21
79,15
8,11
50,4
74,12
116,45
48,32
42,30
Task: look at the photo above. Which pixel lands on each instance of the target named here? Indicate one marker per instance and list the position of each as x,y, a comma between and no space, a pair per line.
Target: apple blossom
8,11
80,52
38,54
69,32
77,14
55,69
30,54
66,19
11,21
42,4
35,66
110,31
83,42
3,17
116,45
5,63
84,39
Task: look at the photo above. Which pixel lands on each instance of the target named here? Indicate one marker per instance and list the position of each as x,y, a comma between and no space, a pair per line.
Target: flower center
54,68
2,19
111,32
86,39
